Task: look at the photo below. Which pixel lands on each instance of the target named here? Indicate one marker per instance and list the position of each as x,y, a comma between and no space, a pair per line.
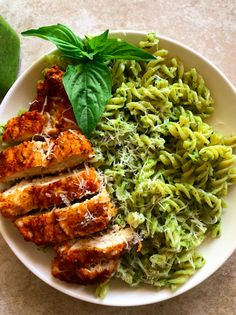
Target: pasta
166,169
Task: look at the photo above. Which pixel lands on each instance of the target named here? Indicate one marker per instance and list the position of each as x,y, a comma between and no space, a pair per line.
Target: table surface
208,26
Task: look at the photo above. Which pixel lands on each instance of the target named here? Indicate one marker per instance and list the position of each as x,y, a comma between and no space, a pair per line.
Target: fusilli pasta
166,169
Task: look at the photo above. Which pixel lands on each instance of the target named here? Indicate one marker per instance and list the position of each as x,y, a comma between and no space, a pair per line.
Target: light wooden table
206,25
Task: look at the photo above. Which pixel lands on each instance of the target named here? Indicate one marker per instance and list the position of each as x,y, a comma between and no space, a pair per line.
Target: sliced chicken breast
24,127
49,114
36,125
89,274
31,158
93,259
108,245
50,88
51,85
77,220
49,191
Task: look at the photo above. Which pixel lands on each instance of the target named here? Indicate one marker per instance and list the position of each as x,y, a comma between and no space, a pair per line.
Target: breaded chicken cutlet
92,259
24,127
51,86
62,224
69,211
31,158
49,114
104,246
49,192
88,274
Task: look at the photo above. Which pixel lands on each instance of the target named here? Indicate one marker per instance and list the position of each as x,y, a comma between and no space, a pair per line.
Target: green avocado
9,56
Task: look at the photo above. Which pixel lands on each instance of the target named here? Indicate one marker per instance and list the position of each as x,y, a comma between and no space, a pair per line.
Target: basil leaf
66,41
117,49
97,42
88,86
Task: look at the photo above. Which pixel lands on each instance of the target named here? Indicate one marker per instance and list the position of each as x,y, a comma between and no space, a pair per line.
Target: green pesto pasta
166,169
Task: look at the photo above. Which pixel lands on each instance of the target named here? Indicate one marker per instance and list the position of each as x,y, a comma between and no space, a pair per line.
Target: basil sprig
88,82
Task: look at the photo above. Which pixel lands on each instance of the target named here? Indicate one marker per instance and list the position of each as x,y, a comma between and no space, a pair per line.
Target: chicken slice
62,224
49,114
24,127
52,85
51,93
90,274
31,158
93,259
108,245
37,125
49,191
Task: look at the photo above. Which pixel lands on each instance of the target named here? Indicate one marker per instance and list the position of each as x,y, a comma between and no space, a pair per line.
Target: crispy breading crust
83,275
96,248
67,144
21,158
51,87
24,127
48,192
93,259
35,124
49,114
77,220
52,84
31,158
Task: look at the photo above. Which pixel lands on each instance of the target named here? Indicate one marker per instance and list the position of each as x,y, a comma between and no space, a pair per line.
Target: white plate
215,251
